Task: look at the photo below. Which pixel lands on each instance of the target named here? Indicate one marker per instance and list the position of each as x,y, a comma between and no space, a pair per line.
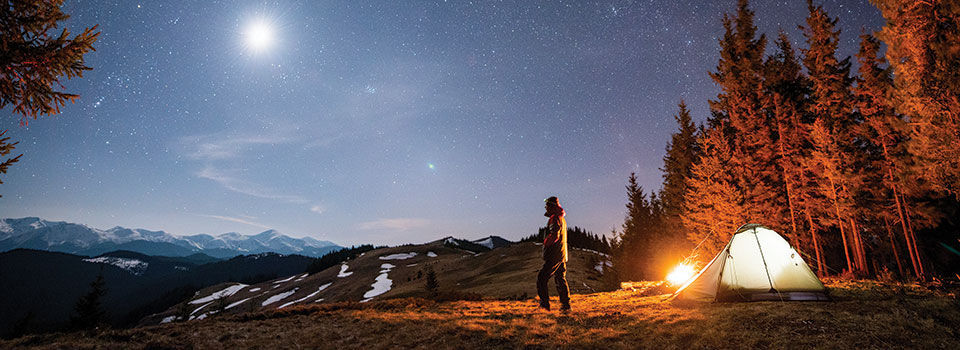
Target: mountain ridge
80,239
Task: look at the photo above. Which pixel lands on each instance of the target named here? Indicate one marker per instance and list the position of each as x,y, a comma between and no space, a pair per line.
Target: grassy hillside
503,273
862,315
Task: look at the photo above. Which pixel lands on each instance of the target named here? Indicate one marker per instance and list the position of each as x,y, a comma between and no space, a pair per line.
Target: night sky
380,122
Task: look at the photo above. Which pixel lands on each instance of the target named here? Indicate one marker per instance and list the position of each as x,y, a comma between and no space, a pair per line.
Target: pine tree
632,256
736,179
713,207
833,156
34,59
89,308
432,285
883,132
786,95
740,112
922,39
5,148
682,153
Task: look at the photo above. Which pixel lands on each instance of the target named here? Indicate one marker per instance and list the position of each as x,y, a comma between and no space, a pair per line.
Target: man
554,256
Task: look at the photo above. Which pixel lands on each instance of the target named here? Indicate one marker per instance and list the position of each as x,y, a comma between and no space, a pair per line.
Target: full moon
259,36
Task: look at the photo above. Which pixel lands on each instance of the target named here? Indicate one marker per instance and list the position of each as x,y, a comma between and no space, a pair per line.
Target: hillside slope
862,315
506,272
38,289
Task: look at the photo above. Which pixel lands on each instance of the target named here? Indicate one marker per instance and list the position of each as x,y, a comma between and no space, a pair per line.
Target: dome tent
757,264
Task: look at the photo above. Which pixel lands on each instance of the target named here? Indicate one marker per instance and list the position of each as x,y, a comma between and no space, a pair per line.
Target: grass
864,314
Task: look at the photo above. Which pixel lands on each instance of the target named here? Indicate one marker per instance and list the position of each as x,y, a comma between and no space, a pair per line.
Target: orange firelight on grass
680,274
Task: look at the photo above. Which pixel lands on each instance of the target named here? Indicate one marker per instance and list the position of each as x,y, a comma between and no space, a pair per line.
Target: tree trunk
836,206
858,244
893,247
821,267
906,233
913,240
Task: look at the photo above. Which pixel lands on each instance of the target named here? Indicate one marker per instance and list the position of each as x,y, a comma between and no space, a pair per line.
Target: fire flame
680,274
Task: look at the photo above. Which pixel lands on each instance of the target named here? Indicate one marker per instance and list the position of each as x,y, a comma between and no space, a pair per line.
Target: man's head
552,205
552,201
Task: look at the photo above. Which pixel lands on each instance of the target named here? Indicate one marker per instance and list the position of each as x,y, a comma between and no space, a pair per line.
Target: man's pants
559,271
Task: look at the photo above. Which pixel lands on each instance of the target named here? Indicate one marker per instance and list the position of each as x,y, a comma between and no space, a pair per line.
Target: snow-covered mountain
59,236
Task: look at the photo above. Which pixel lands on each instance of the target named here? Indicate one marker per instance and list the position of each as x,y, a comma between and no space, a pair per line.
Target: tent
757,264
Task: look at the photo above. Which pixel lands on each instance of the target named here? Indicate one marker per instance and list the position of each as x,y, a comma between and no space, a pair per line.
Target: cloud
238,220
220,146
246,187
218,150
396,224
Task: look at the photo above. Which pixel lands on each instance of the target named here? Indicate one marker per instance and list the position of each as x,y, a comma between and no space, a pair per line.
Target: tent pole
765,269
723,265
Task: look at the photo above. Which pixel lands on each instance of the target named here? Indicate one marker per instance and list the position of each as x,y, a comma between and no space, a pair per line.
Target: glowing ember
680,274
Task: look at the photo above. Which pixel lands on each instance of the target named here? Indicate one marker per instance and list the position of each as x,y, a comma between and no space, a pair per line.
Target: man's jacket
555,241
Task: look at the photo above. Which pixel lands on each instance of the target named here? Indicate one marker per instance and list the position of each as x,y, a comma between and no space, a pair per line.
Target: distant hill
463,244
59,236
493,242
505,272
38,289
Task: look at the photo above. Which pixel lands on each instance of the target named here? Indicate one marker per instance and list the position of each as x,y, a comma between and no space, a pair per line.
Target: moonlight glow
258,36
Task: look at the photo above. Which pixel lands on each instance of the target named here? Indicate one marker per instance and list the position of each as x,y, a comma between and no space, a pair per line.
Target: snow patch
254,290
594,251
236,303
168,319
411,265
134,266
302,277
400,256
450,240
286,280
343,271
380,285
221,294
308,296
278,297
432,254
601,264
486,242
200,308
5,227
